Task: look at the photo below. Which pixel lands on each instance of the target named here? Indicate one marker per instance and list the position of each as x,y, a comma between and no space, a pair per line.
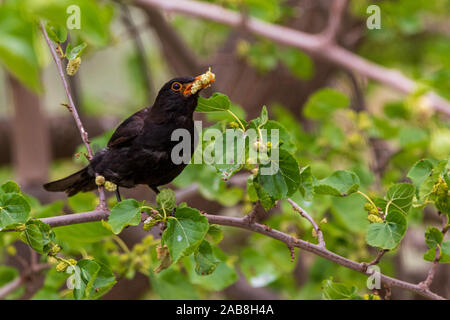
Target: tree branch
22,279
305,215
242,223
312,44
73,109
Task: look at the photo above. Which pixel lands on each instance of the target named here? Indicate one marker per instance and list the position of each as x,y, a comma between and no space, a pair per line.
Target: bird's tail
80,181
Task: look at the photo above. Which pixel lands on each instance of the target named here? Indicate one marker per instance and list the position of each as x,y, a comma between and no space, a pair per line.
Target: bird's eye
176,86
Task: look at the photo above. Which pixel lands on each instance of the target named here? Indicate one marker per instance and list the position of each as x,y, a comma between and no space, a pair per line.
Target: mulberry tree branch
243,223
313,44
72,108
305,215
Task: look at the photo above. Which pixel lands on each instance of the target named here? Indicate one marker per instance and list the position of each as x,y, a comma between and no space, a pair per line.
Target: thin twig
335,16
305,215
73,109
133,31
312,44
374,261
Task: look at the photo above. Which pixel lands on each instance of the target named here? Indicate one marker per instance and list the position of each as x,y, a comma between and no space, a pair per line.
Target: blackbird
139,151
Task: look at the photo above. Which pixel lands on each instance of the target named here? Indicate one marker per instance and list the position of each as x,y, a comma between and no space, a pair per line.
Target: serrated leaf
38,235
14,209
206,261
433,237
216,103
166,200
85,273
10,187
286,177
420,171
124,213
400,197
340,183
388,234
322,103
184,233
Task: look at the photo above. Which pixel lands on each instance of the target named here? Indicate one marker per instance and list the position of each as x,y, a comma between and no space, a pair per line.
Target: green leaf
92,232
91,279
14,209
445,252
217,102
171,284
229,152
166,200
413,137
340,183
10,187
324,102
338,291
284,136
221,278
38,235
206,261
400,197
184,233
420,171
306,183
125,213
433,237
388,234
215,233
84,273
75,52
286,179
264,198
57,34
298,63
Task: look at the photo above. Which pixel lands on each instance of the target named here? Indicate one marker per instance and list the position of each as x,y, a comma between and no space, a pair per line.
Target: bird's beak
200,82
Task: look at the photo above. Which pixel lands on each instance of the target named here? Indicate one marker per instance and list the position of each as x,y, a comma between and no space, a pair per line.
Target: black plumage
139,151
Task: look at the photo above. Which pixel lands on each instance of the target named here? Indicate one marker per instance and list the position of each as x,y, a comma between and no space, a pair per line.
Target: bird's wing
128,129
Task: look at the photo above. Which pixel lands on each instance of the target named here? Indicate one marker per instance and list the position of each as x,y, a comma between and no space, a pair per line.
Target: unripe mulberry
73,65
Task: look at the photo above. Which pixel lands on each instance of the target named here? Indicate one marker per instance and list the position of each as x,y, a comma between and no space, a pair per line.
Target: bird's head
180,95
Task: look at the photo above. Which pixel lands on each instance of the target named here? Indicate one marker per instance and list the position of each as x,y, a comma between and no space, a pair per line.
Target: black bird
139,151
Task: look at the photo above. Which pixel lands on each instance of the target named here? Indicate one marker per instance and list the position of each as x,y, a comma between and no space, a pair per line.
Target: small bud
54,250
314,233
233,125
324,220
100,180
73,65
52,260
21,227
109,186
61,266
255,172
12,251
374,218
368,206
374,211
73,262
